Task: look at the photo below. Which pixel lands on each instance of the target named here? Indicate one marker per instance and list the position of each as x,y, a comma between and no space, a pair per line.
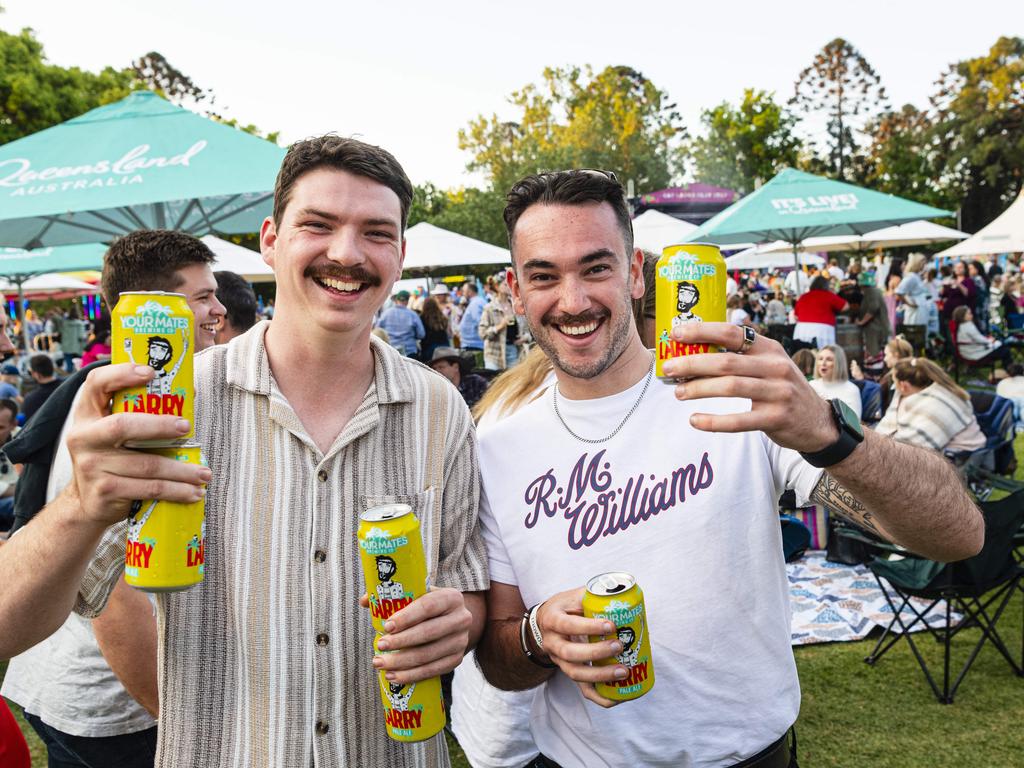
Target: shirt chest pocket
422,505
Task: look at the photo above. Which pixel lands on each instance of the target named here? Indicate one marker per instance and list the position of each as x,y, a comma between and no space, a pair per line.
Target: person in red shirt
816,314
13,749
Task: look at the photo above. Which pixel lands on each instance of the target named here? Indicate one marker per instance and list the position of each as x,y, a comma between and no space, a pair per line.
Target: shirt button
322,475
322,639
322,727
319,556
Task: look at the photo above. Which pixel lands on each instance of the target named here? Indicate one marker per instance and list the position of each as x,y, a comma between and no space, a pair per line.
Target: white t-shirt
738,316
64,680
693,516
797,282
846,391
1011,388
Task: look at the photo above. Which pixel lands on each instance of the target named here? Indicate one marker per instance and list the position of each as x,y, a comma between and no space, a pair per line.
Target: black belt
776,755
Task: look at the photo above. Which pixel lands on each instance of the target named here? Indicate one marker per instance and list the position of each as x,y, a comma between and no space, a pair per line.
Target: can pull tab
612,586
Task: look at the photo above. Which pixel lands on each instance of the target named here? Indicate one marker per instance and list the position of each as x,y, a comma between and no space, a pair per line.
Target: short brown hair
149,260
351,155
574,187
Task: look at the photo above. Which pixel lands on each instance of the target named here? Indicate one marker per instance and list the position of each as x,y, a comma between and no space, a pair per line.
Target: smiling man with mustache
306,421
676,484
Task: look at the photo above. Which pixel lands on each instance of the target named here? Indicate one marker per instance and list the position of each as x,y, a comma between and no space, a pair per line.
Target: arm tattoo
830,493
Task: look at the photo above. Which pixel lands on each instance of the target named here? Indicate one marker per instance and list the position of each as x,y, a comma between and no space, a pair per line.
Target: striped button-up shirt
267,662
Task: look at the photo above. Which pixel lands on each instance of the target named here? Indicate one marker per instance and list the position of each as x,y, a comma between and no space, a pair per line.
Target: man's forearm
889,488
40,569
501,657
126,634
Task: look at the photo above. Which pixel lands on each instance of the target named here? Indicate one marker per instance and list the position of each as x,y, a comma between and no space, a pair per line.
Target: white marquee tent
241,261
1005,234
913,233
653,230
770,257
429,247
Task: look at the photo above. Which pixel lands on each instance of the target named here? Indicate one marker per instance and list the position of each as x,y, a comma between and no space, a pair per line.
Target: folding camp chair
979,588
870,401
996,420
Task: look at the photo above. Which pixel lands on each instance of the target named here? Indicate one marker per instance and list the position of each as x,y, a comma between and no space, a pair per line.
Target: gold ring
749,337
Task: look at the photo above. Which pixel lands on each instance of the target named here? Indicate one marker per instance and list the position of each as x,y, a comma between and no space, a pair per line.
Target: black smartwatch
850,436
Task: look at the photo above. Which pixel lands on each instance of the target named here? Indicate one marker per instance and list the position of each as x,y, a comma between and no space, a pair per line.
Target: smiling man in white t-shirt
678,485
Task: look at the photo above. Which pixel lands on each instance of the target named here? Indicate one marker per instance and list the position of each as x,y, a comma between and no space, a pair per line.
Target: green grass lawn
885,716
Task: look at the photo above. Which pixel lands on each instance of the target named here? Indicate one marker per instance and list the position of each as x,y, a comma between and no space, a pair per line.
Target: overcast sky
407,75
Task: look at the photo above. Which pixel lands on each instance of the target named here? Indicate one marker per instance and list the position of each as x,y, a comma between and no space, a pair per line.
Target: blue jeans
131,750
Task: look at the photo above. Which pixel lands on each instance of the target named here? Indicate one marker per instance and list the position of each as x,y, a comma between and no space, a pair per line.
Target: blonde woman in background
929,410
912,292
831,380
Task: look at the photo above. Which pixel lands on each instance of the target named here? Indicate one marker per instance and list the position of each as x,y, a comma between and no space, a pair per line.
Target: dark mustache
348,275
580,319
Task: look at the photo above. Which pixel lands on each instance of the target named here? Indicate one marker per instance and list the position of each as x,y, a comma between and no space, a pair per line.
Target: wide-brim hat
451,353
439,290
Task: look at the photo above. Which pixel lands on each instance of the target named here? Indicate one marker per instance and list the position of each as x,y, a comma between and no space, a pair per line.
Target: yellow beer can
616,596
689,288
156,329
412,712
165,547
394,564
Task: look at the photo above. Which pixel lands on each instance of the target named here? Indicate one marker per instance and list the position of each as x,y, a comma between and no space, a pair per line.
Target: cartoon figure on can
398,697
159,353
630,655
388,589
687,297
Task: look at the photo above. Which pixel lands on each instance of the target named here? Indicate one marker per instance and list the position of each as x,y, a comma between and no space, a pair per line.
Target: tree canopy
615,119
842,86
745,144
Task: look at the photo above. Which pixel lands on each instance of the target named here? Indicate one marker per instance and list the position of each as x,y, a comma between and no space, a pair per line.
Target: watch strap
838,450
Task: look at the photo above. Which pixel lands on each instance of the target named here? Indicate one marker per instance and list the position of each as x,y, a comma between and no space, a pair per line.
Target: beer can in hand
394,563
689,288
617,598
156,329
165,547
414,711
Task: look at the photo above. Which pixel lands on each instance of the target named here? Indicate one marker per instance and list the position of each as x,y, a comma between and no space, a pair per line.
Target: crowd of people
310,418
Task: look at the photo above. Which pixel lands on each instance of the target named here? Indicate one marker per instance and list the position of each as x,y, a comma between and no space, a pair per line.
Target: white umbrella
912,233
241,261
770,257
430,247
653,230
1004,234
50,286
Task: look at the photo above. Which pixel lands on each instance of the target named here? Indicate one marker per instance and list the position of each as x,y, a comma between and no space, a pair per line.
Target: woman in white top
913,293
972,344
831,380
735,313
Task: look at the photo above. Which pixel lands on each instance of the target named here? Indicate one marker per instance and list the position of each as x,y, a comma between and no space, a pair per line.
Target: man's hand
425,639
783,404
108,476
565,632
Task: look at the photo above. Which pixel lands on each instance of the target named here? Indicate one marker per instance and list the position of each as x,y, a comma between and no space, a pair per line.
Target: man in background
403,325
42,369
469,325
239,302
90,689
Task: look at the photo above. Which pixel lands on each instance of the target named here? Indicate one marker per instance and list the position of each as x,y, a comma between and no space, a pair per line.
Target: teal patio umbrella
18,266
795,206
137,163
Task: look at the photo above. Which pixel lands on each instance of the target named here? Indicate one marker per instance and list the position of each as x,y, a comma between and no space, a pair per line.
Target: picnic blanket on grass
832,602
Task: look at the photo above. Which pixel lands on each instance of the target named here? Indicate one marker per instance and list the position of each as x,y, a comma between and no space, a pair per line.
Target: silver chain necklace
632,410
